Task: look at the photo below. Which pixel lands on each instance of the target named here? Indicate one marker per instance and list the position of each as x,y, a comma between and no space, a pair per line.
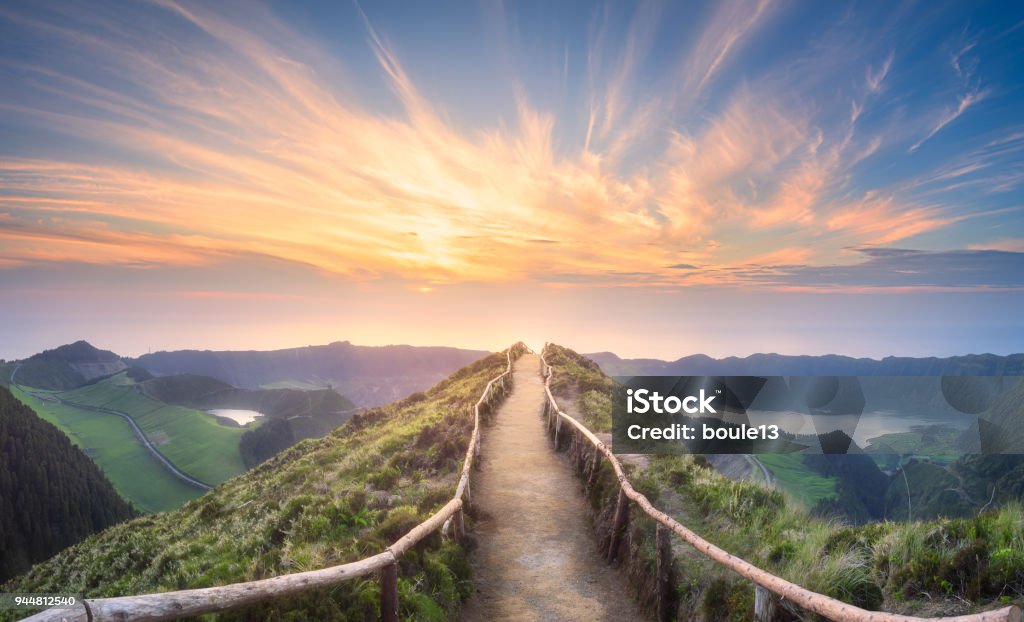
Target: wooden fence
764,581
185,603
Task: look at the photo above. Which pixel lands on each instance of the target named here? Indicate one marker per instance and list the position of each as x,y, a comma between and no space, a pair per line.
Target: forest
53,494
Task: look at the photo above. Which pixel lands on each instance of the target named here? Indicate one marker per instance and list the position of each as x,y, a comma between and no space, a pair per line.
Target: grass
919,440
109,441
321,502
800,481
596,407
193,440
582,381
936,566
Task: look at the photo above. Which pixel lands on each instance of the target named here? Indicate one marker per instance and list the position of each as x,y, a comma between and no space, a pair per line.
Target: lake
239,416
870,424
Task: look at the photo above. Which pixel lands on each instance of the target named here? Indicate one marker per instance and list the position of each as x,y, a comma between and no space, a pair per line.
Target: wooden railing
819,603
186,603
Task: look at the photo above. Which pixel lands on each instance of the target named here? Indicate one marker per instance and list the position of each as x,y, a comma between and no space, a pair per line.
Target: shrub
385,478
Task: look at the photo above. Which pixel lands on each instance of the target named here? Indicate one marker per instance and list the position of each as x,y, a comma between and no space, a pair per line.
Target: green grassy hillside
109,441
799,481
322,502
193,440
290,414
936,567
68,366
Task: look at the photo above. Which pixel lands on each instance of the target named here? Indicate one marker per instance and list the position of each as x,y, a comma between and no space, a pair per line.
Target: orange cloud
252,151
881,221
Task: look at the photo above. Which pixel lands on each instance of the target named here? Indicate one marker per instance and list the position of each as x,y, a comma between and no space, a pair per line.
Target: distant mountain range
827,365
368,375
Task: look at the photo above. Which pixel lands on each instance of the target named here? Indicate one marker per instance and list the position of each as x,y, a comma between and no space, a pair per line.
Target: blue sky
248,175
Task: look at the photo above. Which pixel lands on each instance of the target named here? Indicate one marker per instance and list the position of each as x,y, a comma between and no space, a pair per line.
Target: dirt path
536,558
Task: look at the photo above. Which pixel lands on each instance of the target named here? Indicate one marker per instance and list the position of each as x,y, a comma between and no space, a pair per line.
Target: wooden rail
827,606
186,603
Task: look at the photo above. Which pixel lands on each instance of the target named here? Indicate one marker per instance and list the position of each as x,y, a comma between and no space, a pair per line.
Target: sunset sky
655,179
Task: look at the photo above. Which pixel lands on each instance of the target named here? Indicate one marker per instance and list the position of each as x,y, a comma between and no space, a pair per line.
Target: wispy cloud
955,60
877,76
246,138
952,114
732,23
907,270
878,221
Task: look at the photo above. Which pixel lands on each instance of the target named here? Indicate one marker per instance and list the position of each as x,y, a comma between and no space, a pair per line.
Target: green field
934,440
110,442
800,481
191,439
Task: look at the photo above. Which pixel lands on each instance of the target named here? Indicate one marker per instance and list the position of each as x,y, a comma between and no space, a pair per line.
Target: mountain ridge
771,364
368,375
68,366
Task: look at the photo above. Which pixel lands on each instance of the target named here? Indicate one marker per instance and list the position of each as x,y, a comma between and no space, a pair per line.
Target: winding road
768,480
139,434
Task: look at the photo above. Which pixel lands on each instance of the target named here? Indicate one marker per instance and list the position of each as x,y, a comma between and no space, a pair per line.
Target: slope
53,495
191,439
939,567
927,461
321,502
290,415
112,445
68,366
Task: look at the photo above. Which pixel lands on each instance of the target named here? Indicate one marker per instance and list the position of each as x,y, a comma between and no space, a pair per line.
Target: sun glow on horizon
251,156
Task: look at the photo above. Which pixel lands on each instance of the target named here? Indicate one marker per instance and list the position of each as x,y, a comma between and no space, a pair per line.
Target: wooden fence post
618,524
764,604
460,526
666,591
594,466
389,593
